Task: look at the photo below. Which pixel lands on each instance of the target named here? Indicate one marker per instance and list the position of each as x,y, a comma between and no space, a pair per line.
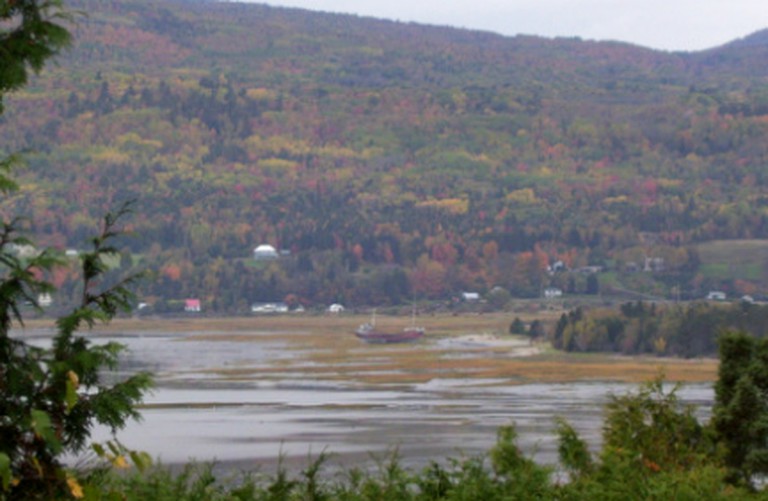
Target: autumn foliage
388,159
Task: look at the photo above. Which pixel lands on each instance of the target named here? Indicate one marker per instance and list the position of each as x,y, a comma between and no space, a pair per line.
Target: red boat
370,334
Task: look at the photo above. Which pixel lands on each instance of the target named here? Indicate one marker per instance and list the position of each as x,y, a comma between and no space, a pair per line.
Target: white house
265,252
653,264
24,251
589,270
269,308
556,267
470,297
716,296
44,300
552,292
335,308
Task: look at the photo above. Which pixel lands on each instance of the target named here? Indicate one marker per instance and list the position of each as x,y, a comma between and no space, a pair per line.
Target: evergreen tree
36,34
517,326
593,285
741,405
536,329
50,398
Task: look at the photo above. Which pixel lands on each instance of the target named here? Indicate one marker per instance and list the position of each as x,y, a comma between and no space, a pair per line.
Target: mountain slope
389,158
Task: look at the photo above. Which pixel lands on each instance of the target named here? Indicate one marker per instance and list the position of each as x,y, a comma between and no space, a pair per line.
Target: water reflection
259,422
195,414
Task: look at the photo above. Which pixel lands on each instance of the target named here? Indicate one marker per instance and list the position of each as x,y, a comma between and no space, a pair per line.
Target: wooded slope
390,159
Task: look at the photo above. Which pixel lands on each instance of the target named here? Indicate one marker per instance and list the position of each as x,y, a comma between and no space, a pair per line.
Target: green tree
517,326
593,285
35,35
536,329
30,34
519,475
653,448
740,413
655,429
50,398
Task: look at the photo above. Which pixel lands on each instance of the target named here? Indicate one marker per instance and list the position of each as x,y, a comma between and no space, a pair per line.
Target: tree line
683,330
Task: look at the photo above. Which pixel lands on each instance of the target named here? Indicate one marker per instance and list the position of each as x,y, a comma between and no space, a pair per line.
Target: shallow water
195,414
433,421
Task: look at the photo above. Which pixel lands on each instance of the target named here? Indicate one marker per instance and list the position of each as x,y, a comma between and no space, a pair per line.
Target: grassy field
325,348
744,259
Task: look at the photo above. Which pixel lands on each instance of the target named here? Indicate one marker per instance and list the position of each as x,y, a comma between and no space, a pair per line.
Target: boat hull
373,336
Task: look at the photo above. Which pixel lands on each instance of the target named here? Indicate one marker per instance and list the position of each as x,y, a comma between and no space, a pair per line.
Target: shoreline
323,347
243,393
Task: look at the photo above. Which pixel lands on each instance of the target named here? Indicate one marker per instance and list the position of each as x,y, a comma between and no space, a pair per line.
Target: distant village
494,299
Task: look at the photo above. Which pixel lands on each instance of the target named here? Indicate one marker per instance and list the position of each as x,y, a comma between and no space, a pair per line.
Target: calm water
443,418
193,414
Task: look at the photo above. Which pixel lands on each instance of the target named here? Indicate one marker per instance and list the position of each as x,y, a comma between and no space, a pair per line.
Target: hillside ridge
390,160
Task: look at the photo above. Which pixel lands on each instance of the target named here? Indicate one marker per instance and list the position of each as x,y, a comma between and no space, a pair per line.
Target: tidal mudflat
244,392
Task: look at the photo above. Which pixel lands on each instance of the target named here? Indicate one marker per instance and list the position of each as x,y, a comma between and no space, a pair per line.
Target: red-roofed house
192,305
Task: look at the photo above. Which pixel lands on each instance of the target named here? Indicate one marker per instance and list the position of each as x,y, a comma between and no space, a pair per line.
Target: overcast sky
659,24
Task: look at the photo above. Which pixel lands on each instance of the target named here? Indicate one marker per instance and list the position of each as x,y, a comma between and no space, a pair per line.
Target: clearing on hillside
742,259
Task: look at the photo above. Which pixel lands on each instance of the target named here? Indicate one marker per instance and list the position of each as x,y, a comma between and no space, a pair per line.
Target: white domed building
264,252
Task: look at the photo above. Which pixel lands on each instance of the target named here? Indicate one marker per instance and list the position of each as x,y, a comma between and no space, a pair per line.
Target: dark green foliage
687,330
741,406
593,284
573,451
521,477
193,483
517,326
654,429
51,398
7,184
472,480
435,482
653,448
312,481
512,477
562,338
536,329
36,34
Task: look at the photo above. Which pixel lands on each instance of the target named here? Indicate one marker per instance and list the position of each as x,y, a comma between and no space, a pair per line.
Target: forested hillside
391,160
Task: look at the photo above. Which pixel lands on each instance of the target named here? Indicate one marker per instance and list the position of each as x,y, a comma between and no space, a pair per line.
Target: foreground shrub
654,448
